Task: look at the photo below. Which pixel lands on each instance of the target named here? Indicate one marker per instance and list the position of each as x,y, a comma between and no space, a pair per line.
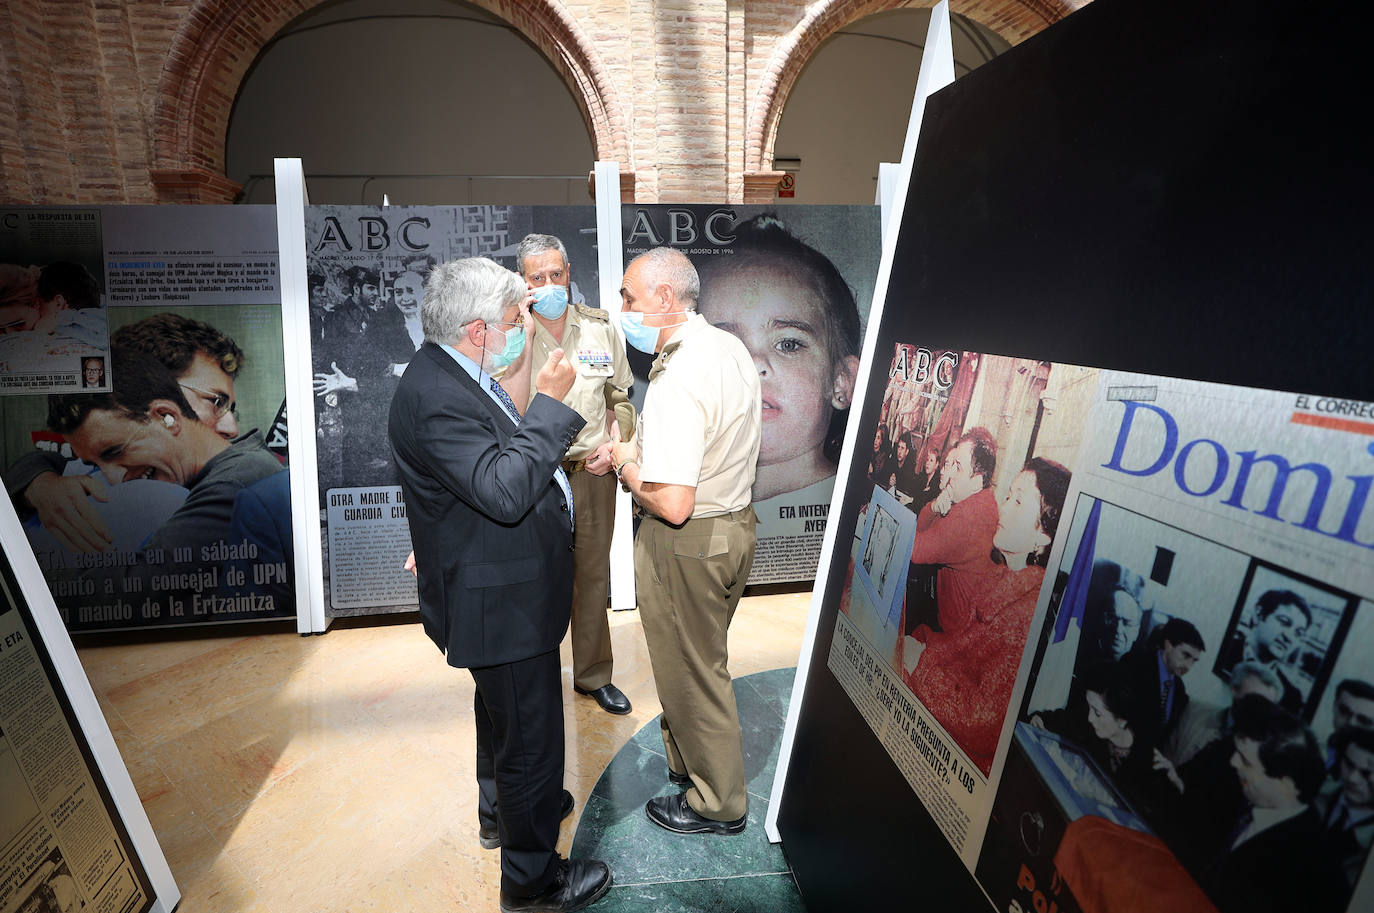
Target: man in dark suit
1346,804
1275,857
491,520
1156,675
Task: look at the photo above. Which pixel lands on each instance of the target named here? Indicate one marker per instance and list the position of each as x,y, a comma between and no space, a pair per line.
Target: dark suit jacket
1142,671
1348,847
1283,868
488,522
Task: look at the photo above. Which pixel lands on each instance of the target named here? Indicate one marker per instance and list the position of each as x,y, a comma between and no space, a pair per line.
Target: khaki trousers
689,582
594,502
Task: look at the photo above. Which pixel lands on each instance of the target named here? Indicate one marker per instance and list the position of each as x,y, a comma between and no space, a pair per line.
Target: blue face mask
550,301
643,338
515,344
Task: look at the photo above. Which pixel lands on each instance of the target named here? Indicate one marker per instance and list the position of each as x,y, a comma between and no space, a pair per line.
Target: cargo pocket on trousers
694,555
700,546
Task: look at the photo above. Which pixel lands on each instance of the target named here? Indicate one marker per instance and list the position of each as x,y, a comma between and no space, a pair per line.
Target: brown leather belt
571,466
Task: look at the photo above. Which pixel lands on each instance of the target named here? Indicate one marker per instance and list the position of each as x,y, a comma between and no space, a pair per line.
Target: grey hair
533,245
461,291
1264,674
669,266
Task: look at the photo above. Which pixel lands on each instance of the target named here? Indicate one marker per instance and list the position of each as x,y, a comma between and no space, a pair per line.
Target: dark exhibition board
1184,195
1180,193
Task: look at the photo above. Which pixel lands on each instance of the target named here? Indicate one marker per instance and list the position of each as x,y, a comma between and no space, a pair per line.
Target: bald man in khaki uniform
603,375
691,470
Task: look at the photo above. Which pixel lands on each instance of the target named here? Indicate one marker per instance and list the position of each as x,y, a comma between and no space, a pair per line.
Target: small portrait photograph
882,541
51,316
1290,624
93,372
881,558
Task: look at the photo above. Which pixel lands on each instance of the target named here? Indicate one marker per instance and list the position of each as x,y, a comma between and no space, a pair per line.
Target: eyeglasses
519,323
219,402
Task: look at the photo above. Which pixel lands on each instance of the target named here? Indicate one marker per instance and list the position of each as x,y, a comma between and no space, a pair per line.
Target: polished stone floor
667,873
288,774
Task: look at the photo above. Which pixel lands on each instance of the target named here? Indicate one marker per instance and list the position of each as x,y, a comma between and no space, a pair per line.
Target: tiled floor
657,872
288,774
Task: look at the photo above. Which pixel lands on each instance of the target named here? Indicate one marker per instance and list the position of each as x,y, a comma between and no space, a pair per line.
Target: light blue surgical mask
550,301
515,344
643,338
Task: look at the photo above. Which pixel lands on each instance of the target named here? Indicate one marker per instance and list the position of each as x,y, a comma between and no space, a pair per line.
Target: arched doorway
219,40
849,108
1013,20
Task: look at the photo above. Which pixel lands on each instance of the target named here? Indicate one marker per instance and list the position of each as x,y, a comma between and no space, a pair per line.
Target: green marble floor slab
661,871
745,894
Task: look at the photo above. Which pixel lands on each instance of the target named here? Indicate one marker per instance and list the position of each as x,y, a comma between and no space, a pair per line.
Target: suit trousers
690,580
519,713
594,500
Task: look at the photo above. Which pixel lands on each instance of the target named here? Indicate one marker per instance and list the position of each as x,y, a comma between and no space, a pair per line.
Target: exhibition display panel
1065,690
73,834
184,524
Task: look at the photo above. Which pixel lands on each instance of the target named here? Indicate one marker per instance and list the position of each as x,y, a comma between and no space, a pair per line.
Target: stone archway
1014,20
219,40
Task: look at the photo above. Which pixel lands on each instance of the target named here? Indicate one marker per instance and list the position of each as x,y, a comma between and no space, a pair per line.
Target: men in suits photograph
1200,724
1346,804
1275,857
691,471
1352,708
491,519
1157,675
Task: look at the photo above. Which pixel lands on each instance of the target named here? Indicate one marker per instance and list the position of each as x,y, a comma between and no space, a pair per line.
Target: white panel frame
72,680
936,72
300,397
611,264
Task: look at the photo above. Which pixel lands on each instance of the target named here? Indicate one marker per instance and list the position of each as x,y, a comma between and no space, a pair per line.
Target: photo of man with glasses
204,363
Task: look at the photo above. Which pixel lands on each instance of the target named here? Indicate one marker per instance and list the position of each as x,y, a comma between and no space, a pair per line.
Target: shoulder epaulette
587,310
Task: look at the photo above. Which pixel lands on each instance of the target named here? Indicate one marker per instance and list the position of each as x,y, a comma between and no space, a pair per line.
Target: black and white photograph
366,273
885,532
52,300
1290,624
1219,775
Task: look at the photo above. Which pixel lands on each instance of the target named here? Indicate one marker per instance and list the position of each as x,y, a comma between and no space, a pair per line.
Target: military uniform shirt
702,421
595,350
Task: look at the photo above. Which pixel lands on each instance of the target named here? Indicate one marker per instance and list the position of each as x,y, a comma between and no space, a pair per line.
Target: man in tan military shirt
603,375
691,469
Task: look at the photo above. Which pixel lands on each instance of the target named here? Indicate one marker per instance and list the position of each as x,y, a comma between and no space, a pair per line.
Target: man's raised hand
556,378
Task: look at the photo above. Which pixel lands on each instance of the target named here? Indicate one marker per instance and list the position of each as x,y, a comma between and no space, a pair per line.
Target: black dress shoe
677,779
611,699
490,838
577,883
674,814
